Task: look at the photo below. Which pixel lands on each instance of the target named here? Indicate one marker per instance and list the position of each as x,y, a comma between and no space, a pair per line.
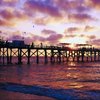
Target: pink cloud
8,2
6,14
48,32
54,38
95,42
5,23
80,17
94,4
42,7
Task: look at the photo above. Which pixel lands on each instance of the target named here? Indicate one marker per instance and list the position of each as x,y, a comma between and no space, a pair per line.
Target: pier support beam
19,56
59,56
52,56
0,55
7,55
82,56
94,55
46,57
37,56
28,56
3,55
91,55
10,61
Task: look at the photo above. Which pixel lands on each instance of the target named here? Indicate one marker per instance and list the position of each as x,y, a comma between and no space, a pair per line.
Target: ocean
64,81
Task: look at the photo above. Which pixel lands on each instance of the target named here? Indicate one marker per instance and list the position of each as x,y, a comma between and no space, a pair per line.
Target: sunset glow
51,21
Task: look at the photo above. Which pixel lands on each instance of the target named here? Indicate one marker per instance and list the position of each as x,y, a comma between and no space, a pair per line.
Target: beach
66,81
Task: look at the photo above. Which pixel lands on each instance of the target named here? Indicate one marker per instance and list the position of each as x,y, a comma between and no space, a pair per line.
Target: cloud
48,13
95,42
57,11
10,16
42,7
94,4
6,14
66,4
5,23
82,9
8,2
48,32
80,17
91,37
70,36
52,36
47,20
69,5
88,28
72,30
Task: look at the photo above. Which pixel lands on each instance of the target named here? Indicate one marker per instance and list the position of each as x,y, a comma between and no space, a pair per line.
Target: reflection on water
79,77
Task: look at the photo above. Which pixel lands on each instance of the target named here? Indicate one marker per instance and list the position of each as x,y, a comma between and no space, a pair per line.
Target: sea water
65,81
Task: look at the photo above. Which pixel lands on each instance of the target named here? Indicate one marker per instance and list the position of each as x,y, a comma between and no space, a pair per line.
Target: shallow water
71,81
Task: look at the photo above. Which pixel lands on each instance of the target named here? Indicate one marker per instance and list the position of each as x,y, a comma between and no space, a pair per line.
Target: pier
49,54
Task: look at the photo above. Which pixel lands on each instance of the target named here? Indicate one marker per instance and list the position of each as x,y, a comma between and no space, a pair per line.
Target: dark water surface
69,81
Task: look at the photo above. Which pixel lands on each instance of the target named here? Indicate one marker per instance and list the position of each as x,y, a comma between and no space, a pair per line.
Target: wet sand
80,81
8,95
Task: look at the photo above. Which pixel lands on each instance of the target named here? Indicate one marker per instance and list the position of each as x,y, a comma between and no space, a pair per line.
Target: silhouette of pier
49,54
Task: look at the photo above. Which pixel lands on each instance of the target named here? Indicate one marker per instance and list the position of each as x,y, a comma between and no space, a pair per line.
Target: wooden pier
49,54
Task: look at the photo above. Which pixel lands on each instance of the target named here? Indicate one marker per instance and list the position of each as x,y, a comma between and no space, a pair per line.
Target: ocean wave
59,94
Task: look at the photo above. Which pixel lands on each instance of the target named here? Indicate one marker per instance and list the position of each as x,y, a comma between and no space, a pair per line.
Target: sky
51,21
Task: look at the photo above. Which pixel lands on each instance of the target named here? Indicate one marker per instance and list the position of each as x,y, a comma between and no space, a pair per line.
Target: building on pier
18,43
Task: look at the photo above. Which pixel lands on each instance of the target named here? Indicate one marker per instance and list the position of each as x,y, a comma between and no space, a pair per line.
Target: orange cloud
93,3
6,14
5,23
88,28
10,17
